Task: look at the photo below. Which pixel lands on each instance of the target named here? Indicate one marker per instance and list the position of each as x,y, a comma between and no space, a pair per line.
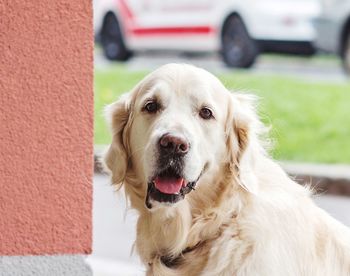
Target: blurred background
294,54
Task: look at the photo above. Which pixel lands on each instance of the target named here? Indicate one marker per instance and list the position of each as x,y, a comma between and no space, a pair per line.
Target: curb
107,267
324,178
331,179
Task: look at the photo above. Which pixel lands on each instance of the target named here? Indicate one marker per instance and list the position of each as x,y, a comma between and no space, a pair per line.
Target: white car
238,29
333,28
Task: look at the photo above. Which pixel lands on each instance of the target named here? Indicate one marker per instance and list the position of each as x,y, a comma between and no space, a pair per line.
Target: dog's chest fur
195,248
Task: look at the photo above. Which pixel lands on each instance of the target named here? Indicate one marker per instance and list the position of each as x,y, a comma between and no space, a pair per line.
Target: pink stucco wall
46,126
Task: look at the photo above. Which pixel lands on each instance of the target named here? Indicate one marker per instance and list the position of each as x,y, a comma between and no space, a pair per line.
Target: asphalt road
114,229
316,68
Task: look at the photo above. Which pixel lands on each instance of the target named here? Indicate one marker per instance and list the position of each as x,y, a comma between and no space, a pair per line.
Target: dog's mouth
168,187
169,184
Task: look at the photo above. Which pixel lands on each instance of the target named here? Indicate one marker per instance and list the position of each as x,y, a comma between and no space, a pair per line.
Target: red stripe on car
173,30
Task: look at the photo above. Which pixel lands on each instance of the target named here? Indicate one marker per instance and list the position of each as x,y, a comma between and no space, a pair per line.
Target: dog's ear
242,139
116,157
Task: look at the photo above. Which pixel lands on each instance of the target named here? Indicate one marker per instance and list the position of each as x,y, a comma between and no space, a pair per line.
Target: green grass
310,120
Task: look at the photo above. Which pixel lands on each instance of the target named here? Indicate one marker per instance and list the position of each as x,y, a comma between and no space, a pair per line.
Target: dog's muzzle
168,185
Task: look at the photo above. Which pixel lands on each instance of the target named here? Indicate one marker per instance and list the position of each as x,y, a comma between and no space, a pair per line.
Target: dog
192,160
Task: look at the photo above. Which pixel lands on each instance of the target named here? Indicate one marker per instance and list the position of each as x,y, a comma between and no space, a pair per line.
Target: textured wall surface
46,126
68,265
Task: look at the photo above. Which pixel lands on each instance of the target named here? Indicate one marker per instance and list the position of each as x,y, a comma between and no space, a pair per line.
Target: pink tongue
168,185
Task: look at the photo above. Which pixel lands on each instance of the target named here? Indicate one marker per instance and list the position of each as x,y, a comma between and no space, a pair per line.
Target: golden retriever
209,198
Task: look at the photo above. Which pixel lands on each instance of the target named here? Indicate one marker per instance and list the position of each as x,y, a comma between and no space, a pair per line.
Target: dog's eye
206,113
151,107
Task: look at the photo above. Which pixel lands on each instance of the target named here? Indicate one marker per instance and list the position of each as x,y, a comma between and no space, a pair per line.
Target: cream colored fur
246,216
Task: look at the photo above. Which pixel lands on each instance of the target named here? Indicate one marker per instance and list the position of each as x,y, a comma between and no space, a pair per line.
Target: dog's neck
166,234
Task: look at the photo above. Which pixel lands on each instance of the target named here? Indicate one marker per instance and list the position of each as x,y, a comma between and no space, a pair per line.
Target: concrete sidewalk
114,229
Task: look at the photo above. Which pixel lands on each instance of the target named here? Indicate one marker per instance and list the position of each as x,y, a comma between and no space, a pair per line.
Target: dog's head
179,125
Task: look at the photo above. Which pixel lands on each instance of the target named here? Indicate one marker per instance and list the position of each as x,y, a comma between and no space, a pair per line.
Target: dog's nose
174,144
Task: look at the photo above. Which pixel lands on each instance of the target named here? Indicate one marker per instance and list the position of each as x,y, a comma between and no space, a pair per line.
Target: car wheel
238,49
112,40
346,53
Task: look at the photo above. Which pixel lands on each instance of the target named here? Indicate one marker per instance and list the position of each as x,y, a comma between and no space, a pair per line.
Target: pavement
114,228
114,231
317,68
